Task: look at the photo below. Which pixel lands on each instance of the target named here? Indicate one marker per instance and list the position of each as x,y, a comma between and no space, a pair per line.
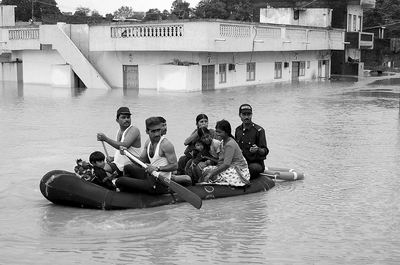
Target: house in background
385,56
338,14
182,55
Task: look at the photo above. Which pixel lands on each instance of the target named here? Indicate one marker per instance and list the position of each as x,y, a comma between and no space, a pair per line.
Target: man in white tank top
128,136
159,154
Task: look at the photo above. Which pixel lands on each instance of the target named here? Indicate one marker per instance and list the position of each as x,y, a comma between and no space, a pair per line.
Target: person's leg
255,170
134,171
197,176
136,179
129,184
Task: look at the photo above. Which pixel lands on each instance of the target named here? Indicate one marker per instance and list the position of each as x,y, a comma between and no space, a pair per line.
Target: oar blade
182,192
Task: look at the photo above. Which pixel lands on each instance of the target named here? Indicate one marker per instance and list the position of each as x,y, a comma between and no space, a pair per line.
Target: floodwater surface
344,135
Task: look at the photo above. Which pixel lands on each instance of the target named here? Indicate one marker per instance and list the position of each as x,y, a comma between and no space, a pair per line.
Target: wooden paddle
105,149
182,192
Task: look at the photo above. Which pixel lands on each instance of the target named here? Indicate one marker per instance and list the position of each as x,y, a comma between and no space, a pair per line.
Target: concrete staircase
55,35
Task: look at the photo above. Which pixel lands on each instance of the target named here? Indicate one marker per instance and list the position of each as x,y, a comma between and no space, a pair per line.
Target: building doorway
295,71
208,77
130,77
323,68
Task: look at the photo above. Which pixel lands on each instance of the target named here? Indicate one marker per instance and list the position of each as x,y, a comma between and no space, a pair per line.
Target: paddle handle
138,161
105,149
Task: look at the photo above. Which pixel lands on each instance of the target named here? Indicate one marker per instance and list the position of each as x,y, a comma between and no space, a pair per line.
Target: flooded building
385,56
184,55
338,14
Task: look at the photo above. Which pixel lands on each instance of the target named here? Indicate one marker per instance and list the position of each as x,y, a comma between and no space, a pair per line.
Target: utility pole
32,12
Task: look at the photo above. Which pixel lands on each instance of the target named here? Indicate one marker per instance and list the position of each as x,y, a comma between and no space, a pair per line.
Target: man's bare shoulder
166,145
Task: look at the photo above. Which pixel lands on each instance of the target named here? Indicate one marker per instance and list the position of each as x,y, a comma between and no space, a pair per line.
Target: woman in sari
231,168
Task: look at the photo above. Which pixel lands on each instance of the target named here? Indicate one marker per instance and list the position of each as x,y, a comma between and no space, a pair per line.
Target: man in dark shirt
251,139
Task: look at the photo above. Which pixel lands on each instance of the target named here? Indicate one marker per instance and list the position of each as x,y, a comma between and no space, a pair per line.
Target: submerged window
251,71
222,73
278,70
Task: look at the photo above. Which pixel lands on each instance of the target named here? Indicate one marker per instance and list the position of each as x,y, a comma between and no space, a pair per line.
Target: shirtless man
159,155
128,136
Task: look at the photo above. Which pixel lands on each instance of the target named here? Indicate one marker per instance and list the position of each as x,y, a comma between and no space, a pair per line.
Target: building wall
109,64
7,15
314,17
38,65
354,18
157,72
79,34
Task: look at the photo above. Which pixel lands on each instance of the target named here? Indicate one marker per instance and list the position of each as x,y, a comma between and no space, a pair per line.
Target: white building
169,55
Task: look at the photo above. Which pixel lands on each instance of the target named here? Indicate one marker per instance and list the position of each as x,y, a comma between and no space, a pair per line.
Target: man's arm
262,143
191,138
143,155
168,151
131,136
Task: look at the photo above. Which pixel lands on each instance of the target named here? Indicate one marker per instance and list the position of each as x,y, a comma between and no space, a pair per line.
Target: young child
97,159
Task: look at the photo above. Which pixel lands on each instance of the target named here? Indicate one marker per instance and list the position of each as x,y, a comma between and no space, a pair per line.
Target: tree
42,10
82,11
48,8
225,9
386,13
180,9
95,13
153,14
240,10
211,9
165,14
123,12
109,17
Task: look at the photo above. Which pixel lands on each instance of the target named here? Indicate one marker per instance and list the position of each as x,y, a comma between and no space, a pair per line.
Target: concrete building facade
183,55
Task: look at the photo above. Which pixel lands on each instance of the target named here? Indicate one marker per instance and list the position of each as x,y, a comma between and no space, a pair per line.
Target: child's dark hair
201,132
96,156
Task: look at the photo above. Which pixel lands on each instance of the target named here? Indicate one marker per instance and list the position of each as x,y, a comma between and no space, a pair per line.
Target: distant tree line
386,13
46,11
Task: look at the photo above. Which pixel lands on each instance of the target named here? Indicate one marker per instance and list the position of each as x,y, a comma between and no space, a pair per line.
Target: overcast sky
109,6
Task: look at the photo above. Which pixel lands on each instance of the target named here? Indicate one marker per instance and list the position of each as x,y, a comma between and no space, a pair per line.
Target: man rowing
128,136
159,155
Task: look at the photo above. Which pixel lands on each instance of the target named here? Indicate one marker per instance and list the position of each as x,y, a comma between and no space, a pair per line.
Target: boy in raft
101,178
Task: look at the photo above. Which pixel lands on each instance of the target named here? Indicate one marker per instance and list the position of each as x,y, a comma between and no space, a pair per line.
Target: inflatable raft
66,188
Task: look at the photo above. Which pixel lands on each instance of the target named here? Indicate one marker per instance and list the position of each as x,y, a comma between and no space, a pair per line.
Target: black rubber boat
66,188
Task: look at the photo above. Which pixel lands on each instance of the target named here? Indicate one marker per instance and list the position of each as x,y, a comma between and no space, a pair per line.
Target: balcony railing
144,31
23,34
234,31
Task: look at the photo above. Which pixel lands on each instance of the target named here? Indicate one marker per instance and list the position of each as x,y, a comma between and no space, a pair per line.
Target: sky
109,6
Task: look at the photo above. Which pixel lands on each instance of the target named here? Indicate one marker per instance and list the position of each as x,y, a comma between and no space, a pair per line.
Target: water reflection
130,92
78,91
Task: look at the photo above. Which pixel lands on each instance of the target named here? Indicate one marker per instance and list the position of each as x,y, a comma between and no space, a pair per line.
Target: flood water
344,135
